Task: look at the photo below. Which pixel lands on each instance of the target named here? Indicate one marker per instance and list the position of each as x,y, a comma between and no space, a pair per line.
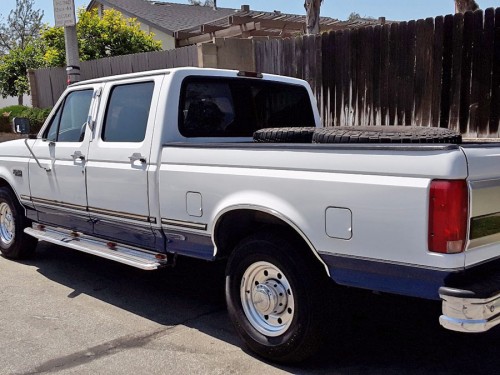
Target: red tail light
448,209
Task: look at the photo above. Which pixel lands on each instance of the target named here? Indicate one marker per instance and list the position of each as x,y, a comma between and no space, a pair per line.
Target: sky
397,10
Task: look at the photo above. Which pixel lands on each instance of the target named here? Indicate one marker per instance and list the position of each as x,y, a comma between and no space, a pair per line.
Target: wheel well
238,224
4,183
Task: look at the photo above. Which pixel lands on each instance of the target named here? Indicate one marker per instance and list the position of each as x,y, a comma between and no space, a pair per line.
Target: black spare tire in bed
284,135
358,134
385,134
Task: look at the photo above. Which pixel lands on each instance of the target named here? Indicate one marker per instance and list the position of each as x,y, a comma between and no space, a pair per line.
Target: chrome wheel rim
267,299
7,226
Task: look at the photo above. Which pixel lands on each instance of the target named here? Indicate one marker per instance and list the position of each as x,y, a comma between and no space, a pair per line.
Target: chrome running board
105,249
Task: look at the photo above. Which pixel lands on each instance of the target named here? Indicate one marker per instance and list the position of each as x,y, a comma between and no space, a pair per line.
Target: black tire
14,243
300,332
385,134
284,135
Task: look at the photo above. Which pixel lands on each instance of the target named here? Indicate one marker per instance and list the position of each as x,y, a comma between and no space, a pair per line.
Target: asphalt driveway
70,313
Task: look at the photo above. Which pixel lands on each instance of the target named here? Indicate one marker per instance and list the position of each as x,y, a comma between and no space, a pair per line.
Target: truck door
118,163
58,187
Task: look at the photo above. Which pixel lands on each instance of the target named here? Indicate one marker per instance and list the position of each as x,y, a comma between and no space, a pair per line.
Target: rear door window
127,112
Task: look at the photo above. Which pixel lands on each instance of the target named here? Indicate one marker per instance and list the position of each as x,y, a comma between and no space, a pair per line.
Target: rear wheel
14,243
273,298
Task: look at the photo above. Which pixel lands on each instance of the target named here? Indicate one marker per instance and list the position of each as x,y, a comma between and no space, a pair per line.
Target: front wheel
14,243
273,298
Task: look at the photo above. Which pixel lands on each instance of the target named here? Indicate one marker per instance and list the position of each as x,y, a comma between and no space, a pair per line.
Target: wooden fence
442,72
48,84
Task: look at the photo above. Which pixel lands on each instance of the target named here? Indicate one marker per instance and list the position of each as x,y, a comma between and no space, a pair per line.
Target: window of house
127,112
227,107
68,123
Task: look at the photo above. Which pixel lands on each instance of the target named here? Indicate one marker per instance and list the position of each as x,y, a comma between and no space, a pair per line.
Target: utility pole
64,15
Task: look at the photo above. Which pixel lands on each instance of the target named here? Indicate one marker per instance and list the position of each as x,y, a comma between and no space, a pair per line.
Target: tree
14,67
19,48
111,35
312,16
354,16
462,6
22,26
207,3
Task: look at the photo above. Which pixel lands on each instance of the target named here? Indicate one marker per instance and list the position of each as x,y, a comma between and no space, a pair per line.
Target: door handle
137,156
78,155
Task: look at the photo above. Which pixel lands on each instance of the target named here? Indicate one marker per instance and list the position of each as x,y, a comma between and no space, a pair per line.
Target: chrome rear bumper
464,313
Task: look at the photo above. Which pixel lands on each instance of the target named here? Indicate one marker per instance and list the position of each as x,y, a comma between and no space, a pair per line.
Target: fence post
207,55
235,54
33,88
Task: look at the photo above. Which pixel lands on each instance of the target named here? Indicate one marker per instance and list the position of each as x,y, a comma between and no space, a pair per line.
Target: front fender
14,167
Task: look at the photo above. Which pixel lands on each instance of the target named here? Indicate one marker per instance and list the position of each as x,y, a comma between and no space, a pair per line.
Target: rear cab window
229,107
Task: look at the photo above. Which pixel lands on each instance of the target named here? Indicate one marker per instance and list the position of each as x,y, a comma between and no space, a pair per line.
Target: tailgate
484,182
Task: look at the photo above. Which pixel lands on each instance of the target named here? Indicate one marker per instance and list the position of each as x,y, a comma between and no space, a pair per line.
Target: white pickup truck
145,167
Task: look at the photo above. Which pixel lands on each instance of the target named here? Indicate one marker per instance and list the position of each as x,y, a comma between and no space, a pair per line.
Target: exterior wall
167,41
4,102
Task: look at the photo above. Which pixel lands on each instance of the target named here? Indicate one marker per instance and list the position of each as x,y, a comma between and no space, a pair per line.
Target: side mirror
21,125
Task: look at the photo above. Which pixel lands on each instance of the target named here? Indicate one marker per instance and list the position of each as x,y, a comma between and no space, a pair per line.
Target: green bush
36,116
14,110
7,114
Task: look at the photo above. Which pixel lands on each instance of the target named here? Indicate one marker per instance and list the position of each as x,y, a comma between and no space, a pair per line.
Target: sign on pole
64,13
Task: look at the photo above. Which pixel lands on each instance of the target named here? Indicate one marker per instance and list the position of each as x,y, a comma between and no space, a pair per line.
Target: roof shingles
170,17
174,17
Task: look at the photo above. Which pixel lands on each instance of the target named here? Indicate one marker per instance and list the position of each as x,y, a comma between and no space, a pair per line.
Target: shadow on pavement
381,334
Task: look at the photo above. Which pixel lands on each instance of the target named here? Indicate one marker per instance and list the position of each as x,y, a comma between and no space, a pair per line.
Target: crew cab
146,167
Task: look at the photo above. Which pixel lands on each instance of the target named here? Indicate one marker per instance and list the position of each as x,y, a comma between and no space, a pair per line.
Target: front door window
68,124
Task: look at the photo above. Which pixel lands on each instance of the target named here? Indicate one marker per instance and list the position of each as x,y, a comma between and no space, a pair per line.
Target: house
162,19
177,25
